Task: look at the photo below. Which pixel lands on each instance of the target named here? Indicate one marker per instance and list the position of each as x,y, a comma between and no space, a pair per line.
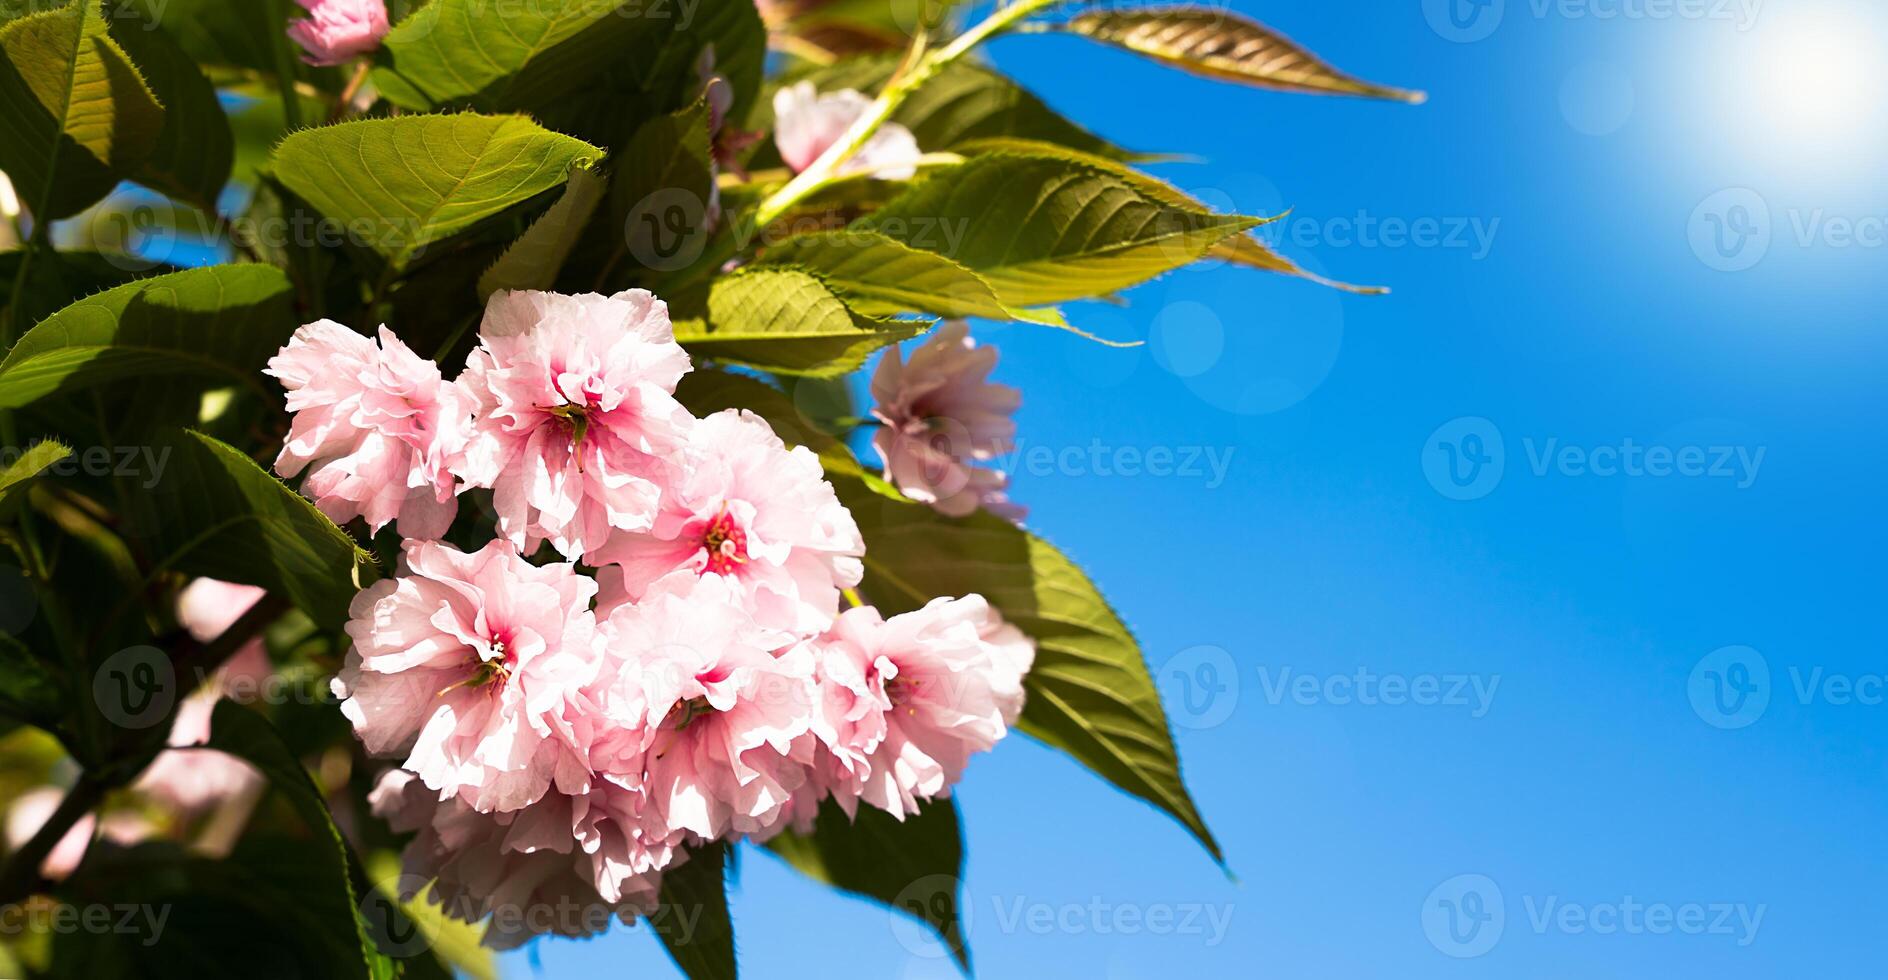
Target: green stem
824,171
346,100
285,80
896,91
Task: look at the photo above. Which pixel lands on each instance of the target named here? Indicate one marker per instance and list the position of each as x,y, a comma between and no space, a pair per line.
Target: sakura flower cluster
642,650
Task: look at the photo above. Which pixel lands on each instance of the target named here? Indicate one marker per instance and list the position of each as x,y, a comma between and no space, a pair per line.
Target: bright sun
1817,80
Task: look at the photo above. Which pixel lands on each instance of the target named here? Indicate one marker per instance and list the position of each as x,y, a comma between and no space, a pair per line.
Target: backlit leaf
75,115
1044,229
1218,43
217,324
403,183
786,320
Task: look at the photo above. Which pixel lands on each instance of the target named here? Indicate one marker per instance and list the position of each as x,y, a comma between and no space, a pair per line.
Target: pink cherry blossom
719,709
951,677
337,30
196,781
191,782
806,122
207,606
519,870
30,811
379,425
940,415
748,509
577,423
849,716
469,663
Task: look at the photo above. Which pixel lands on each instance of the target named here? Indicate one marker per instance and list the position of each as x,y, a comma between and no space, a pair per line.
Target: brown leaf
1224,45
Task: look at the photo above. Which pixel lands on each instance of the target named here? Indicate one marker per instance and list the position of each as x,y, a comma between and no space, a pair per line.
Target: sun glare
1817,79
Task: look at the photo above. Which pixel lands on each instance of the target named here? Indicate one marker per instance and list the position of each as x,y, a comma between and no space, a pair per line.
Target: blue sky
1640,259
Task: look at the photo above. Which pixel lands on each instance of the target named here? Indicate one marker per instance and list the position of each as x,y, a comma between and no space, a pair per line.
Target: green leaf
448,54
787,321
213,511
195,150
1253,253
1220,44
58,278
28,465
265,910
28,690
75,116
915,865
1245,249
454,942
692,918
1089,692
219,323
1043,229
409,181
665,180
552,54
882,276
963,102
533,261
739,38
245,734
